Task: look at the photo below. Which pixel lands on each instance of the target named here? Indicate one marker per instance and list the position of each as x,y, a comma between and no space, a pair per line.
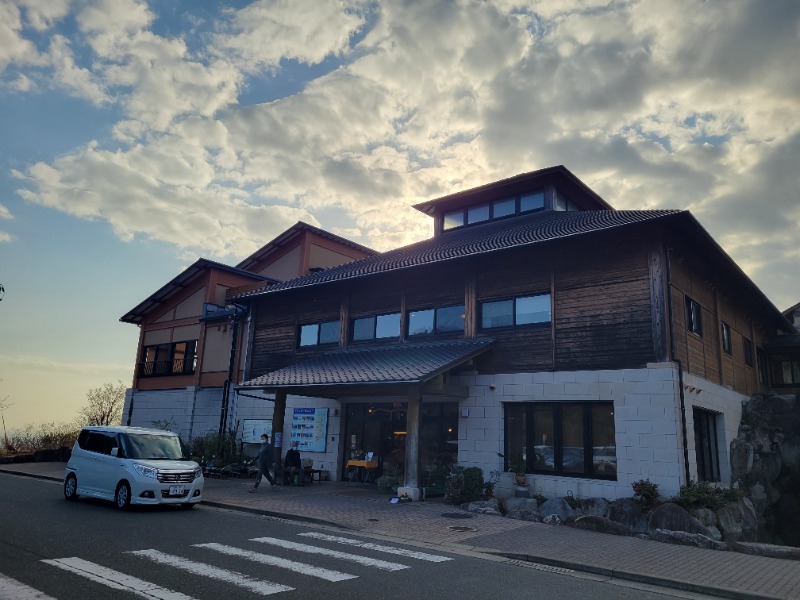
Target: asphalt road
88,549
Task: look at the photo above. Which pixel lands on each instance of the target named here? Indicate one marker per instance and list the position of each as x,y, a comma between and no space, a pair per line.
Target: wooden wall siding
603,326
658,301
703,356
522,350
509,274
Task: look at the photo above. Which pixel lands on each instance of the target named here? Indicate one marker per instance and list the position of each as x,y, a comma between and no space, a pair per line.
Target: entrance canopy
385,370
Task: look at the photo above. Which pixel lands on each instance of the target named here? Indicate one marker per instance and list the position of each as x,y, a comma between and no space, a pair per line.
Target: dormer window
499,209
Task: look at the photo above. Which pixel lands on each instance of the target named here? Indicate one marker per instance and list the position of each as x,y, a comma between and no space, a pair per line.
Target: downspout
223,417
674,359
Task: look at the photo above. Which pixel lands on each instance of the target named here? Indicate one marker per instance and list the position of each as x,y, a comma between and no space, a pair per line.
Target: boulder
558,507
595,507
671,517
687,539
741,458
483,507
516,504
525,515
626,512
601,525
552,520
730,524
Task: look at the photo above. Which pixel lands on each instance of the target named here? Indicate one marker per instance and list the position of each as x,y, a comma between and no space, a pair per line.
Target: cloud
682,105
14,47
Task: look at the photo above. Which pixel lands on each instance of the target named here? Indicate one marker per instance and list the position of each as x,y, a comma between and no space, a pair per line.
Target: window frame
694,316
436,323
167,367
747,351
375,319
319,327
727,345
514,312
529,431
461,216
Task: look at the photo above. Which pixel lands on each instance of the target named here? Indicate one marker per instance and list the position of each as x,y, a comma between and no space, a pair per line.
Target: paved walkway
433,523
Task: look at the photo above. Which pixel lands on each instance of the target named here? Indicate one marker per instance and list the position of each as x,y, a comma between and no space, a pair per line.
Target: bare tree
4,404
104,406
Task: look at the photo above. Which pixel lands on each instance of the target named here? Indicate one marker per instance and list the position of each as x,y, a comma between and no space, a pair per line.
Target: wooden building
599,346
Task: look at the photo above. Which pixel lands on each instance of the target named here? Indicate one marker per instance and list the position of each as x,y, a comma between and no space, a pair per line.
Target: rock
789,452
741,458
601,525
671,517
749,518
483,507
729,519
768,550
596,507
687,539
516,504
558,507
706,516
552,520
525,515
627,513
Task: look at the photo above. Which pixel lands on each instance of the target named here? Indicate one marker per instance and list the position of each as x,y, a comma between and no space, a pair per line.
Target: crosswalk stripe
266,559
364,560
256,585
11,589
115,579
377,547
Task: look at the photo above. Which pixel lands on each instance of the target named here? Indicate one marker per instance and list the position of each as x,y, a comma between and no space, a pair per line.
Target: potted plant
518,466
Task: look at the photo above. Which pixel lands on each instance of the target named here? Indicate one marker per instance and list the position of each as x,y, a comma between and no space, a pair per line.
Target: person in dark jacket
266,455
293,465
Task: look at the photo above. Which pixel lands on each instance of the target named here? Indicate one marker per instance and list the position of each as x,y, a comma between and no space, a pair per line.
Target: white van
132,465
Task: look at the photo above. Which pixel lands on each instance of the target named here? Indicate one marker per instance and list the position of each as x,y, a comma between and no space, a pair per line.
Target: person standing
266,455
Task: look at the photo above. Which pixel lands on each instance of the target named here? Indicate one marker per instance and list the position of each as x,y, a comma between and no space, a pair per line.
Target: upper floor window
315,334
763,367
436,320
694,317
726,337
523,310
376,327
177,358
498,209
748,351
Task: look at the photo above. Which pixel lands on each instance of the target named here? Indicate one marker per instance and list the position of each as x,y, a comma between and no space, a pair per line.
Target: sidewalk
433,523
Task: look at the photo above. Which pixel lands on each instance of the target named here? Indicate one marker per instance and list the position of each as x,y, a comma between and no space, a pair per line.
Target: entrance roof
373,369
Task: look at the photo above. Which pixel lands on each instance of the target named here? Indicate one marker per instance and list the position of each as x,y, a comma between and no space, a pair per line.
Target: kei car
132,465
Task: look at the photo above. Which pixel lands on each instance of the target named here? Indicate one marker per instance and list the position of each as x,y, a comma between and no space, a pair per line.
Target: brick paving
359,508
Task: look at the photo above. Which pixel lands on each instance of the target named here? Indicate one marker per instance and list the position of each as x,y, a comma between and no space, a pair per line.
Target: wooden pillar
278,413
411,482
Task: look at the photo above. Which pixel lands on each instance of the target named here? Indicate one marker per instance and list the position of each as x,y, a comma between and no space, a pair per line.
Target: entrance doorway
380,428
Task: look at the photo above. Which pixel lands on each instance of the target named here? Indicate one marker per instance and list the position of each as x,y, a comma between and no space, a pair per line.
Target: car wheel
122,497
71,487
188,505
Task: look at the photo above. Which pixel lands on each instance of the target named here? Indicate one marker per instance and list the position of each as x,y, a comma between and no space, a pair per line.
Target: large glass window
436,320
376,327
525,310
534,201
706,445
726,337
478,214
453,219
504,208
748,351
565,438
498,209
784,370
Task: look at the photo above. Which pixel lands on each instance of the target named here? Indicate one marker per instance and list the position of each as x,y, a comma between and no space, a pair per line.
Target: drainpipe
674,359
226,392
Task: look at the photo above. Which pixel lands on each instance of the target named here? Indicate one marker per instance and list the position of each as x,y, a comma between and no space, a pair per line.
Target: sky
136,137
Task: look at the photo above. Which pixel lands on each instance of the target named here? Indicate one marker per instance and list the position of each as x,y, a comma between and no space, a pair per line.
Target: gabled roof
281,240
180,282
470,241
397,364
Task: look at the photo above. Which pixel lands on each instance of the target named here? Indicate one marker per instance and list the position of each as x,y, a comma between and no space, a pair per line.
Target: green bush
464,484
702,494
647,492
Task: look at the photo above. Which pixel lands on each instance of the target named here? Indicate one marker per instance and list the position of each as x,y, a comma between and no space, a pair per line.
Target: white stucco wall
649,434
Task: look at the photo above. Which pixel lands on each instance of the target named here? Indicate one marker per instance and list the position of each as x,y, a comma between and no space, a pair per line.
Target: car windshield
152,446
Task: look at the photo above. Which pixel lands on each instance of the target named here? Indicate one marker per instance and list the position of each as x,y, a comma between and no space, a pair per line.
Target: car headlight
146,471
198,473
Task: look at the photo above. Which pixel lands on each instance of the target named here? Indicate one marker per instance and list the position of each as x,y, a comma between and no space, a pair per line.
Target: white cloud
14,48
650,107
44,15
5,213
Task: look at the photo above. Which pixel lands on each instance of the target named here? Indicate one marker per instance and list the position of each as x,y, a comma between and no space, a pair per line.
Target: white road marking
256,585
377,547
266,559
11,589
115,580
363,560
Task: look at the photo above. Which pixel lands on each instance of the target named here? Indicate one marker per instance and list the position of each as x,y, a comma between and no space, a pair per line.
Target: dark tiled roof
397,364
481,239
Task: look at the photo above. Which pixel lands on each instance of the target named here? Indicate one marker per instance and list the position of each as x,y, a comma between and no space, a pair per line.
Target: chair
310,473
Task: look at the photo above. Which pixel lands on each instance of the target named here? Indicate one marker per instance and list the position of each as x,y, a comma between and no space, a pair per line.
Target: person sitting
293,466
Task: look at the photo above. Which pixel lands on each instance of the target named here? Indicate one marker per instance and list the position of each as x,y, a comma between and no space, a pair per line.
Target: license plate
176,490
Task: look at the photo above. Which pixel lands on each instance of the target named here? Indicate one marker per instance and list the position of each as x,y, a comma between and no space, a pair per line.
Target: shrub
464,484
48,436
646,491
702,494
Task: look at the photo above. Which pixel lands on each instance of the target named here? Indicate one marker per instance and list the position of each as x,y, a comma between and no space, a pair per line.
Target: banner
310,429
